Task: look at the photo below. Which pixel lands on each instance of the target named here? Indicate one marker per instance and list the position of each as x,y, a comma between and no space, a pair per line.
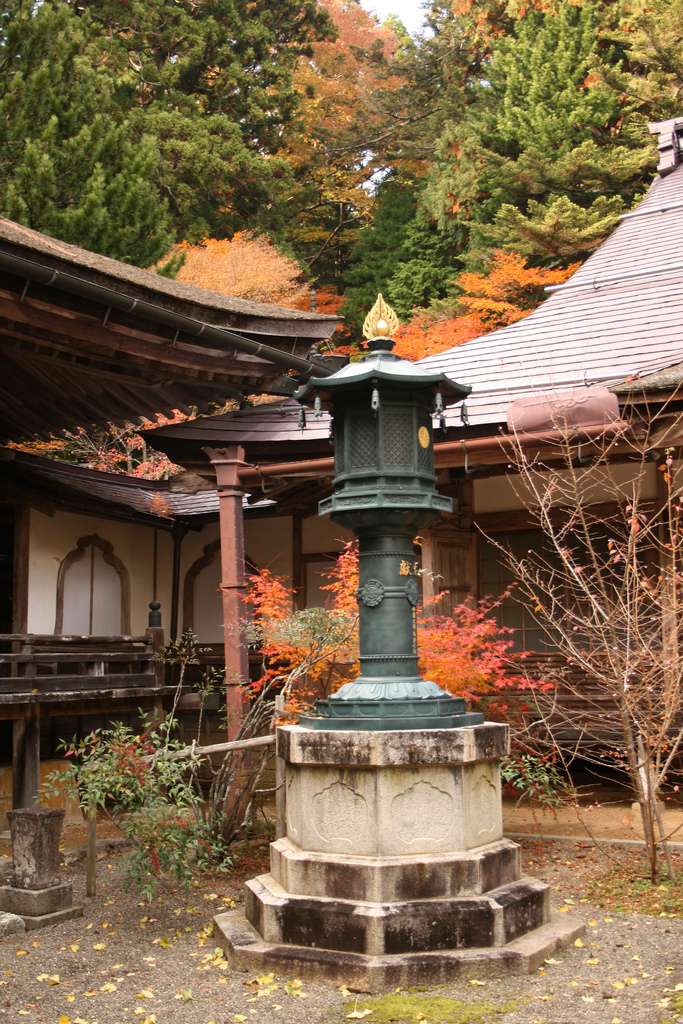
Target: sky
409,11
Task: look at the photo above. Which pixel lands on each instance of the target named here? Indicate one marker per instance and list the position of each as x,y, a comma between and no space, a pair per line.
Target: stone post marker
37,894
394,870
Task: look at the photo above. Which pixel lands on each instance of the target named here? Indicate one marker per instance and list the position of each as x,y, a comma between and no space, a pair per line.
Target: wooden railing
47,664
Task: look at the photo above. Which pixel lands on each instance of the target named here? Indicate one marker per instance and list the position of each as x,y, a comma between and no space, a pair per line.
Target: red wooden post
226,462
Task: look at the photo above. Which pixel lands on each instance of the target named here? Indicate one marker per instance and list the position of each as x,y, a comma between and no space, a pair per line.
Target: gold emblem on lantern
423,437
381,321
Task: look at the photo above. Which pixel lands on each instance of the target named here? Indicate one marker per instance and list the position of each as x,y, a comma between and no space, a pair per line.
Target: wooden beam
125,339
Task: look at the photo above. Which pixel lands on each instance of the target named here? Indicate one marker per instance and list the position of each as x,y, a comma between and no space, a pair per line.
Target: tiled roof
619,316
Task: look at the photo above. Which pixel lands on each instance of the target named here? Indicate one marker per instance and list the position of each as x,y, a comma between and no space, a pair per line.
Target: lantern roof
380,364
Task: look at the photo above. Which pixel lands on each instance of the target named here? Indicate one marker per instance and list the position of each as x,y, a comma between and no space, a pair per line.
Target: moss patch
675,1009
409,1009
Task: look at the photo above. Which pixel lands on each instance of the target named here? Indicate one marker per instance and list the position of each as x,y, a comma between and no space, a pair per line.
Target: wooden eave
71,360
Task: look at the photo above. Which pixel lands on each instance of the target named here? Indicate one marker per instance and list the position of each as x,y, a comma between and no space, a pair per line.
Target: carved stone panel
482,797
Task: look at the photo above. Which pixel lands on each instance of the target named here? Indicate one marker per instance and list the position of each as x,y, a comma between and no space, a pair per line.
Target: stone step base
36,902
394,879
49,919
247,951
409,926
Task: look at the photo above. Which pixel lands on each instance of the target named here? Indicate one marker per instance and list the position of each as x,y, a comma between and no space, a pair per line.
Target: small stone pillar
394,870
37,894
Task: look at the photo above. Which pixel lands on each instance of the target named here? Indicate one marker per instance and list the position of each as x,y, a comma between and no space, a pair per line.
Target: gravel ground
128,960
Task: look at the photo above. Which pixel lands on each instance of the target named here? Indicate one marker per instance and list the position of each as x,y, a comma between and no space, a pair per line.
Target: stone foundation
394,870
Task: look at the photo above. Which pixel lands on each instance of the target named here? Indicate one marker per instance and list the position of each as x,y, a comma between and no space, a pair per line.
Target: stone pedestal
394,870
37,894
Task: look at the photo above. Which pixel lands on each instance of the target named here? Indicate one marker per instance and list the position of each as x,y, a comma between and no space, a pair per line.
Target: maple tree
466,652
310,650
118,449
328,148
247,266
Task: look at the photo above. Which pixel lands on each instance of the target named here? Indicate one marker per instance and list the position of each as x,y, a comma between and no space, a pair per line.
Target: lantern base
383,715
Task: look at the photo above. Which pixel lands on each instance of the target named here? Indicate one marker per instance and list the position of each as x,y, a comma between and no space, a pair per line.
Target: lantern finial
381,321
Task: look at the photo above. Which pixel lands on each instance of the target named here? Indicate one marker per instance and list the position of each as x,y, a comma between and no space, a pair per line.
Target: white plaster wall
51,540
319,533
507,493
268,542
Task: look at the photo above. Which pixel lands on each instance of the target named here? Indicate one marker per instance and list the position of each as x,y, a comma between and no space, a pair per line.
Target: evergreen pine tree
68,165
542,162
402,254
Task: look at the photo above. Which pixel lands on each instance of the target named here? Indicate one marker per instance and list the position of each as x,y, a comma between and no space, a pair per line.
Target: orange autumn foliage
509,292
338,85
310,651
247,266
115,449
466,652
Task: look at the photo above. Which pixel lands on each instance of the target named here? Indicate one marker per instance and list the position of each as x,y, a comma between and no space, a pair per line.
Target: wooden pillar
22,526
226,462
298,566
26,757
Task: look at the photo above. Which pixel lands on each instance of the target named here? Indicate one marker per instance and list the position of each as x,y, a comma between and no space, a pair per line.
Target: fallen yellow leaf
22,952
593,961
74,947
563,910
618,984
42,977
90,992
108,987
578,943
100,945
64,1019
475,982
239,1017
145,994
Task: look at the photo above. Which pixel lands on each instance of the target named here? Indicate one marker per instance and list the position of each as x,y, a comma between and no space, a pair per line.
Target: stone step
409,926
248,951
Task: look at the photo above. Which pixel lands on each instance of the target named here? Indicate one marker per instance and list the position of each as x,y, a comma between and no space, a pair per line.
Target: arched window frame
107,549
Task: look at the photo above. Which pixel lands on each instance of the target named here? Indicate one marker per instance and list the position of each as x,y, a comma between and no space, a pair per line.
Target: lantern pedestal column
394,870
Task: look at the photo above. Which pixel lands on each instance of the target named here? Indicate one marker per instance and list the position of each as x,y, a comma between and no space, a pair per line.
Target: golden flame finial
381,321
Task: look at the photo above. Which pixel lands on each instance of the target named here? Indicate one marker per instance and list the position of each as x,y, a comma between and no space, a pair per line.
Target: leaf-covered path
127,960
